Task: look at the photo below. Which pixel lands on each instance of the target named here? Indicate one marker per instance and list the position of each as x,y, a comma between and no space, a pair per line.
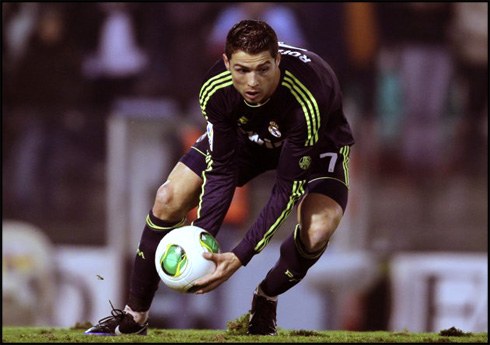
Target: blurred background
99,100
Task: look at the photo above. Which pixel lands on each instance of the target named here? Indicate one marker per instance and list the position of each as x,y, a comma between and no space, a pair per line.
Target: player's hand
226,264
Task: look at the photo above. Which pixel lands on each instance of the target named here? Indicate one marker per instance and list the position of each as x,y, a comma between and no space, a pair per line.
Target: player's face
254,76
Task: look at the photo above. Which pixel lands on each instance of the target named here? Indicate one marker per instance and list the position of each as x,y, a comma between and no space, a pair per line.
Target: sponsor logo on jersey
209,131
274,129
304,162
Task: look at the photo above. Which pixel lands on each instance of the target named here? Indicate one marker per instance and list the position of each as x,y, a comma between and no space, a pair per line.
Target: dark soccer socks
144,277
292,266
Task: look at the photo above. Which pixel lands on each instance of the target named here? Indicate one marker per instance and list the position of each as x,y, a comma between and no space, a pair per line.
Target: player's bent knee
316,239
320,230
167,205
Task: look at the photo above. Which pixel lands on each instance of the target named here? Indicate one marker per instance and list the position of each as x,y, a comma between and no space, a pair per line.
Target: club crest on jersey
304,162
274,129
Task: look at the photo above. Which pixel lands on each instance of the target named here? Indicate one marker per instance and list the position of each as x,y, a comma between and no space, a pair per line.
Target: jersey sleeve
289,187
219,178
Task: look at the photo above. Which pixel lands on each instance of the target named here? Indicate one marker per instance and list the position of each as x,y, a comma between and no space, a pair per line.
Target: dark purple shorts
329,170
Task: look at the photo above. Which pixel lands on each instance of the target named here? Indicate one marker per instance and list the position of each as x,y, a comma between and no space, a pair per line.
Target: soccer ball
178,258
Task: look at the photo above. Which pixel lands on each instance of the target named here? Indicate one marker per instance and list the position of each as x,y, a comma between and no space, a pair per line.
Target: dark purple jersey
302,117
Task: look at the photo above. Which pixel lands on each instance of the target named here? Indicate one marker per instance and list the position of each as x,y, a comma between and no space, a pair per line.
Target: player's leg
318,218
173,200
319,215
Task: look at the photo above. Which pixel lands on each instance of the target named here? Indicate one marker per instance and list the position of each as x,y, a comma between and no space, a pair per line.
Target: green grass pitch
76,335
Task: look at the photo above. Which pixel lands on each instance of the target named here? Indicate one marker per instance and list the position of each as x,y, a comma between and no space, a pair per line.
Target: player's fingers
212,280
209,256
209,287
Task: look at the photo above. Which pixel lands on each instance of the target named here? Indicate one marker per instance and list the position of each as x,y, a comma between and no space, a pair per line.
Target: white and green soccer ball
178,258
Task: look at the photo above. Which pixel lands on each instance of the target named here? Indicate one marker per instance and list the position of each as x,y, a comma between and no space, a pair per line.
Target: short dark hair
252,37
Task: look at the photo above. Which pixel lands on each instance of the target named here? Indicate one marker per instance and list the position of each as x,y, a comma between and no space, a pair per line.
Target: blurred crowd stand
400,78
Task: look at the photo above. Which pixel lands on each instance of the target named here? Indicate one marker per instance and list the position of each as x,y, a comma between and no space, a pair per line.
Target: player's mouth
252,96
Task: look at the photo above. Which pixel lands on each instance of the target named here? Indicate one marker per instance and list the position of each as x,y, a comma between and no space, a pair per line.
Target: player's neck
257,104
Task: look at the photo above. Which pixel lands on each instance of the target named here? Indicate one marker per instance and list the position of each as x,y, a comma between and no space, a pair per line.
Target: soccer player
268,106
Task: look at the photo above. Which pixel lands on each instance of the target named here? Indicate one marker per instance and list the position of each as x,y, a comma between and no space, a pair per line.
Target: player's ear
226,61
278,58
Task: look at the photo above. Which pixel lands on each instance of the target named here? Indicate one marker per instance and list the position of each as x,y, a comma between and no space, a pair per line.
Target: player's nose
252,80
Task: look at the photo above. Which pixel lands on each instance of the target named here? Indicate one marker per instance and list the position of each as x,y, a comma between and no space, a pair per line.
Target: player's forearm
284,197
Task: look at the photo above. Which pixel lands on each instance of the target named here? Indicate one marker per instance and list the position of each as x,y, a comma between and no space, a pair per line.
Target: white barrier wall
88,278
435,291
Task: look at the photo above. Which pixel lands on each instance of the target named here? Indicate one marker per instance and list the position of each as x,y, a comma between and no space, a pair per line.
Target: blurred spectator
155,30
361,35
279,16
18,21
329,42
348,40
470,46
119,60
418,34
46,85
188,26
